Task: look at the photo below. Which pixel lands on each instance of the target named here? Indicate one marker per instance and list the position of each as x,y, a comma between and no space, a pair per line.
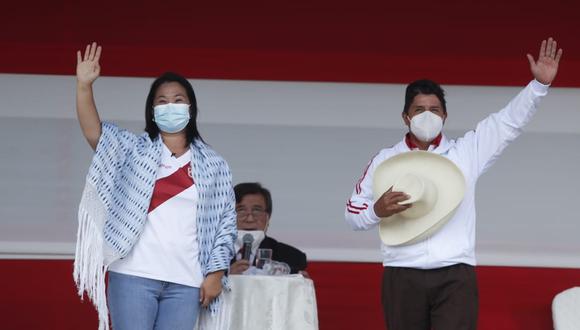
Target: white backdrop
308,143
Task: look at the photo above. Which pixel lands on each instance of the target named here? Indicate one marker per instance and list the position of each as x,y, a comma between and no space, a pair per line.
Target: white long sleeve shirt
473,153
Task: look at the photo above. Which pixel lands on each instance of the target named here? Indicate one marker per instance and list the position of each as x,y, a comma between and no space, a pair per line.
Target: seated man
254,208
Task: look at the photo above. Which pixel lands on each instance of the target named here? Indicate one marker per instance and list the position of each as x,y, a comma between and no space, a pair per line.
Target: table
259,302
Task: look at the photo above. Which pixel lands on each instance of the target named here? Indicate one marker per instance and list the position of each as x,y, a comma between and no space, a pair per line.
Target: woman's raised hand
88,68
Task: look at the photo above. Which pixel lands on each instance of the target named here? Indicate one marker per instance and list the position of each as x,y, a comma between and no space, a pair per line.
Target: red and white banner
299,97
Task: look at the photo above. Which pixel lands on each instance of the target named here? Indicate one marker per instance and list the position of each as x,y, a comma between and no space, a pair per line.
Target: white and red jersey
168,248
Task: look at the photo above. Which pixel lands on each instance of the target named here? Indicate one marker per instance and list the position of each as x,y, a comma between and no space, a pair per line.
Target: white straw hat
436,186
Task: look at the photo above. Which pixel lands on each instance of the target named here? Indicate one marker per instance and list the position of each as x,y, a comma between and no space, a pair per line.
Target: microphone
247,240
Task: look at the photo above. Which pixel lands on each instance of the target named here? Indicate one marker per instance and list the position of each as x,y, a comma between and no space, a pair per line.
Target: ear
406,118
267,223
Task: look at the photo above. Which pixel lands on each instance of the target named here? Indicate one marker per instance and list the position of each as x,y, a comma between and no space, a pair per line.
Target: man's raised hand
546,67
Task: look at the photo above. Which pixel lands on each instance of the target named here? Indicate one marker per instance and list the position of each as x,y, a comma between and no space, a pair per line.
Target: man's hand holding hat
388,203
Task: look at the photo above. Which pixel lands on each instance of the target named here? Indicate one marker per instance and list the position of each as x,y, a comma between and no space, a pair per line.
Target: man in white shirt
431,284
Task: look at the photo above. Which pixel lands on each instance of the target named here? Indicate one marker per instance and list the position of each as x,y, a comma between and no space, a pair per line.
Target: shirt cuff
372,215
539,88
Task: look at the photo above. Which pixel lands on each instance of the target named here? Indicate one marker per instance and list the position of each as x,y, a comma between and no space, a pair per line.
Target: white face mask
426,126
258,238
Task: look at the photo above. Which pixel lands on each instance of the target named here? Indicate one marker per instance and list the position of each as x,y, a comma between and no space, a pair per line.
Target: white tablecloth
265,303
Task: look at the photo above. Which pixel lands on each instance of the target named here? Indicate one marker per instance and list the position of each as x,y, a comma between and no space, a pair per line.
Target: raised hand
88,68
546,67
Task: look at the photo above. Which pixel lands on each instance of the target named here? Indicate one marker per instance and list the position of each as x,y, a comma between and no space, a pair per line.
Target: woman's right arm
88,70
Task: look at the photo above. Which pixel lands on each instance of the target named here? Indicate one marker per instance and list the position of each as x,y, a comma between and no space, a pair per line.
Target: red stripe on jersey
351,205
354,212
357,187
170,186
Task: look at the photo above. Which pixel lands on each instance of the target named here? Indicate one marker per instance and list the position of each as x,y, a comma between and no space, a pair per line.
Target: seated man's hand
239,266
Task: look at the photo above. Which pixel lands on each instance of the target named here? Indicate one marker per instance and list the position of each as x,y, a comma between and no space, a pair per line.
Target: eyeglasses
256,213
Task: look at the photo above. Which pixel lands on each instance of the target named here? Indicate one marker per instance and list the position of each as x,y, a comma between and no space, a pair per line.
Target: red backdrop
453,42
40,294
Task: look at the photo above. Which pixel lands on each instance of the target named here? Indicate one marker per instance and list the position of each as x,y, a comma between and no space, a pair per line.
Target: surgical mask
258,235
171,117
426,126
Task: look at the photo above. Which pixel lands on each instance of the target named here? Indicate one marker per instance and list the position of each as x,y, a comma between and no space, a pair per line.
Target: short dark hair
250,188
424,86
151,128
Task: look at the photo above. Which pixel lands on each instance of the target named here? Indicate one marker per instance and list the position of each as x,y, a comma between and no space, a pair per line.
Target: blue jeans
138,303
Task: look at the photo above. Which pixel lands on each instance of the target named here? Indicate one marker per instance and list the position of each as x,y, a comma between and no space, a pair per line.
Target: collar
435,143
444,146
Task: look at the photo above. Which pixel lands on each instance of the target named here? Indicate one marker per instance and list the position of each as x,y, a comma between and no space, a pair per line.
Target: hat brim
441,172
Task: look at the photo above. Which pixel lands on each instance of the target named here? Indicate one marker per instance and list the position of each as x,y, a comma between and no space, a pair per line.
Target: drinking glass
263,257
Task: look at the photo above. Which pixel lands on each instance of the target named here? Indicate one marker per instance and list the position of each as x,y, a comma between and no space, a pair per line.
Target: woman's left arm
211,287
223,247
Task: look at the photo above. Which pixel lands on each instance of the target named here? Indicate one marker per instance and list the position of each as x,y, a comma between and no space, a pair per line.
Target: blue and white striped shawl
117,193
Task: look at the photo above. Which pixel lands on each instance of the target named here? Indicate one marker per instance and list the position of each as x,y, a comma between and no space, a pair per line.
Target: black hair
250,188
426,87
151,128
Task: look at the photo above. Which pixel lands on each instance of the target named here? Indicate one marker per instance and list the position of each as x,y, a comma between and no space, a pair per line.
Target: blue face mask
171,117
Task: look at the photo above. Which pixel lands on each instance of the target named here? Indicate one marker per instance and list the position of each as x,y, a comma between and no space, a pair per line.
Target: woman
157,210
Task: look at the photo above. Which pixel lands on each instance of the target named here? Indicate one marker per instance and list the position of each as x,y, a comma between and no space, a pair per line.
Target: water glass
263,257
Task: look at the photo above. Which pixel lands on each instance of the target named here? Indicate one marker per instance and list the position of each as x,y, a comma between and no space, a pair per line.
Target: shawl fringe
92,253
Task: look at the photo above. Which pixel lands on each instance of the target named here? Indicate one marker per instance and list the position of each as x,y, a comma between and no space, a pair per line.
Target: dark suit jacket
295,258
